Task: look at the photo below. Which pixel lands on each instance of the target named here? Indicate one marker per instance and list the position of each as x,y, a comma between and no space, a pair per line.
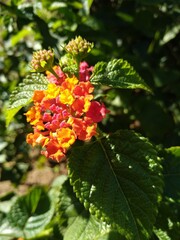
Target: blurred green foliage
145,33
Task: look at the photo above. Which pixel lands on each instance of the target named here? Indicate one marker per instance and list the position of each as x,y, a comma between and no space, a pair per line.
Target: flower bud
42,60
79,47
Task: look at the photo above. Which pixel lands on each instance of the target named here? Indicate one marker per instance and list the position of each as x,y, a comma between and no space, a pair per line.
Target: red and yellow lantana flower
64,112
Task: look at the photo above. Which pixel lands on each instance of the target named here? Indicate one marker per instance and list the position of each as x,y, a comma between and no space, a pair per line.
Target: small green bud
68,64
42,60
79,47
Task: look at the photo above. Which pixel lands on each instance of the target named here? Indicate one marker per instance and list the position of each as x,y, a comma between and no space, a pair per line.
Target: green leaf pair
116,73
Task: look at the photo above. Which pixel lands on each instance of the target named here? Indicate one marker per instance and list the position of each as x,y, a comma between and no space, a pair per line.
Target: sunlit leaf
119,180
23,93
21,35
118,73
167,223
170,34
162,235
29,215
87,5
80,224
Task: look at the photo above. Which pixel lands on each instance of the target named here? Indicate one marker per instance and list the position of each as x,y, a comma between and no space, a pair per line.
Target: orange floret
66,137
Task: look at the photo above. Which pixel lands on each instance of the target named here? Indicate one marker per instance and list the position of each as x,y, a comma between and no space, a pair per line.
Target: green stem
100,134
78,67
78,60
53,72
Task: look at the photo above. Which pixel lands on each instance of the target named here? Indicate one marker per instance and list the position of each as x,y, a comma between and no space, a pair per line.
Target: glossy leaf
118,73
80,224
118,178
22,95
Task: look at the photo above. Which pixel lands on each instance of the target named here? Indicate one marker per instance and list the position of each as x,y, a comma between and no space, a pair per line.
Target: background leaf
169,227
117,73
172,171
161,235
119,180
22,95
87,5
29,215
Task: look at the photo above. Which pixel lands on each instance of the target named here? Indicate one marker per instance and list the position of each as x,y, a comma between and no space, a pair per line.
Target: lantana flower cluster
64,112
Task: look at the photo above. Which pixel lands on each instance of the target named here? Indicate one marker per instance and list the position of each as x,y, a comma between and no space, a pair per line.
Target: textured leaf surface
80,224
119,180
161,235
29,215
22,95
117,73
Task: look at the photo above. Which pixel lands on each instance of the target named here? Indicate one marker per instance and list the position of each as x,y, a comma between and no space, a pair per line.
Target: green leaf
7,232
80,225
172,172
118,73
23,93
119,180
24,33
87,5
4,226
29,215
167,221
162,235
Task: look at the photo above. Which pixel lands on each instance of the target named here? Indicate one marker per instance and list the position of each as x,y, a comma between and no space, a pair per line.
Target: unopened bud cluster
79,47
42,60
